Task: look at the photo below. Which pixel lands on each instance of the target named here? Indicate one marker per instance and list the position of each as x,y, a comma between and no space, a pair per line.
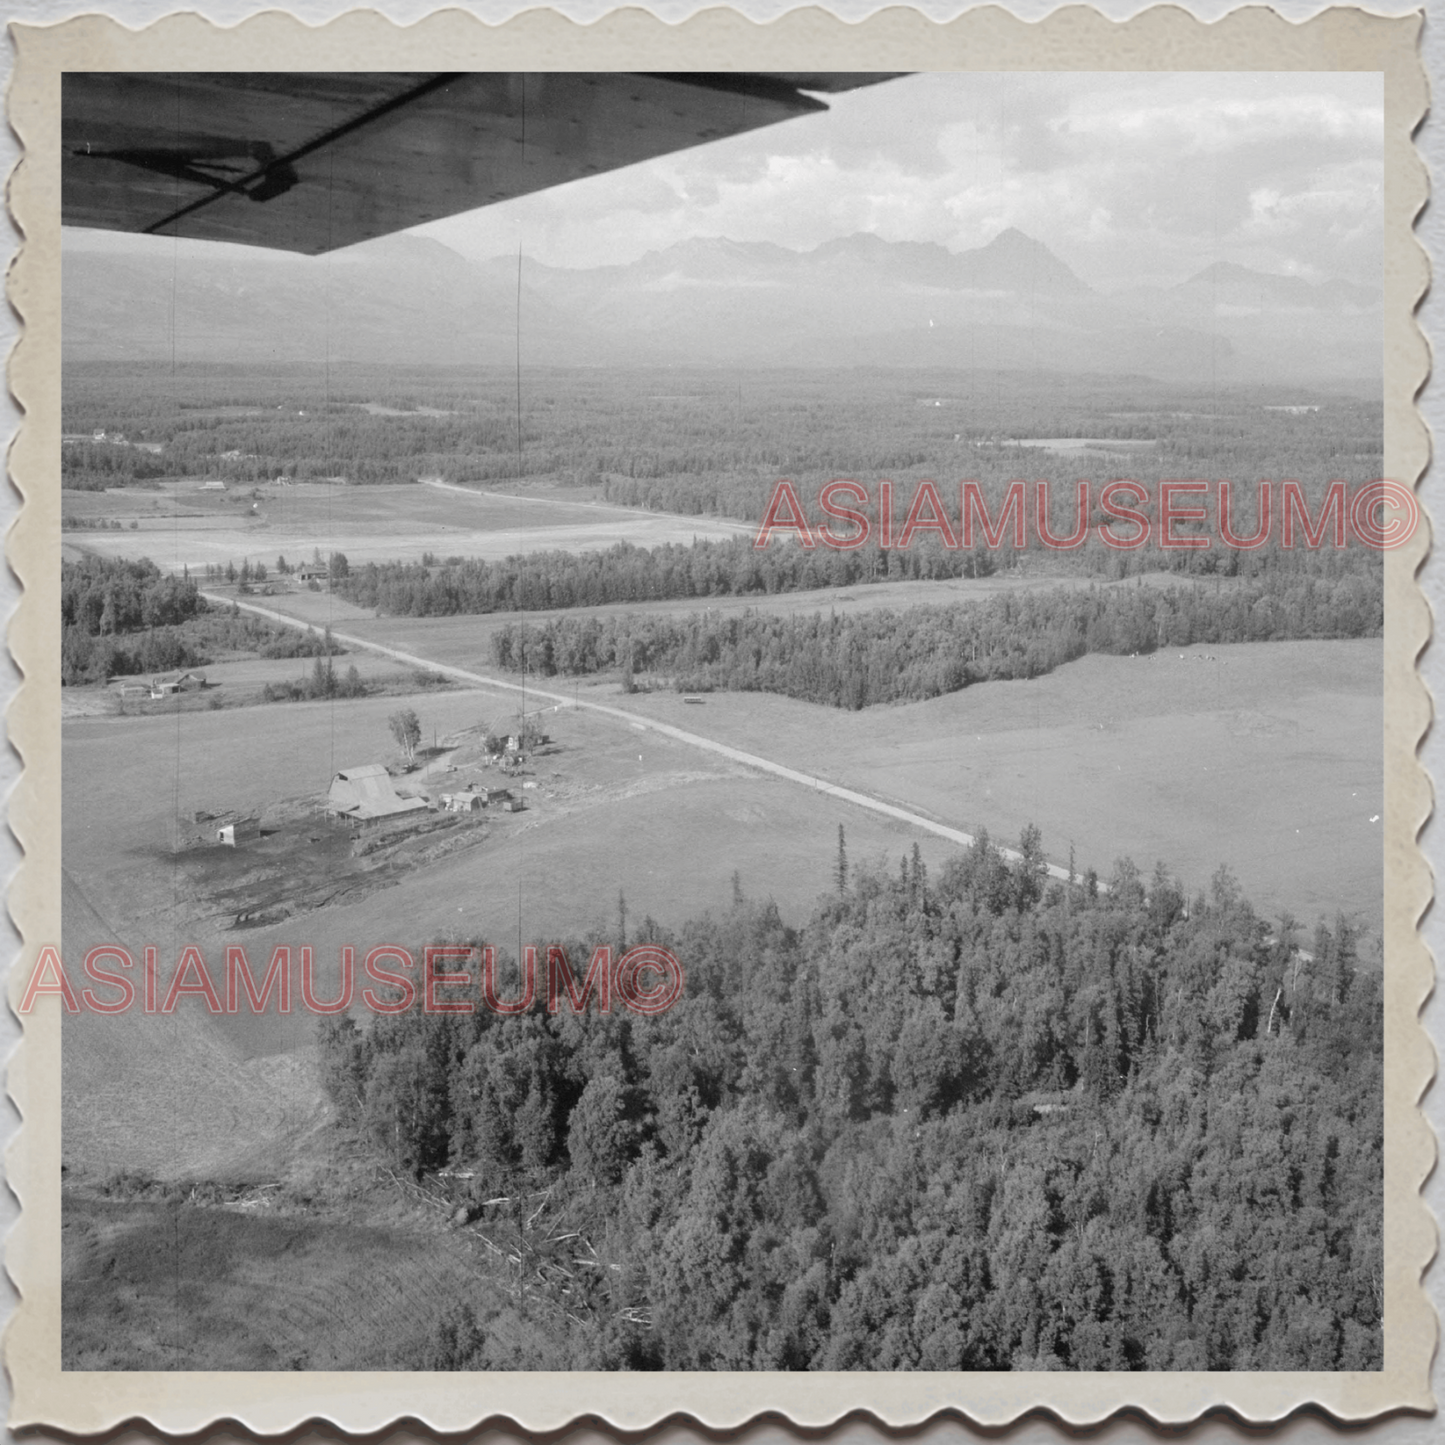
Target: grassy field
613,810
237,682
180,525
1267,757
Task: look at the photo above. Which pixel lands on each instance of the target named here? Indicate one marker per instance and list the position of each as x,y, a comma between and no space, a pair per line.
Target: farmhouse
365,794
167,684
313,572
243,830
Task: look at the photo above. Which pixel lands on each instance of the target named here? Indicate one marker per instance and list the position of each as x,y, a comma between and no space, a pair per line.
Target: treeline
87,657
857,659
109,595
120,617
977,1121
321,682
539,581
91,466
709,441
733,567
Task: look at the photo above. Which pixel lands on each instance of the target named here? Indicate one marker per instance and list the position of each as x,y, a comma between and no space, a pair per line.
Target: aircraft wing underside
310,162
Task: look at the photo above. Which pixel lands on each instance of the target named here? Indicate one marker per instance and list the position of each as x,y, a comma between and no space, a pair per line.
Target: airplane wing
311,162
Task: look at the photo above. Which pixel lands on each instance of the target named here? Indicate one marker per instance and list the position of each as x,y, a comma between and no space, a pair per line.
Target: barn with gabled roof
366,793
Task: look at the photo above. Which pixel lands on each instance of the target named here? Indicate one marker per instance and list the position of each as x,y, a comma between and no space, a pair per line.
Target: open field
1261,756
613,810
1264,756
181,525
611,807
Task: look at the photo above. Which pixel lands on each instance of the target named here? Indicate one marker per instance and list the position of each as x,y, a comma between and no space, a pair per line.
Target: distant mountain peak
1015,261
1012,239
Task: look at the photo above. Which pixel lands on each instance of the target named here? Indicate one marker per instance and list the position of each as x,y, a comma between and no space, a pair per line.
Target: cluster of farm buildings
365,797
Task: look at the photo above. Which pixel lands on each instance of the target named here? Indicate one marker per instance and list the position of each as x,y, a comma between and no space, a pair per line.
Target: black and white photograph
722,721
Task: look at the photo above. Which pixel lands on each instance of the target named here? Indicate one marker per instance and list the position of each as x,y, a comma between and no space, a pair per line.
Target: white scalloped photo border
1074,38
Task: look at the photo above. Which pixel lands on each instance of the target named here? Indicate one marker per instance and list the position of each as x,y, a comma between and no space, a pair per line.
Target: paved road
639,720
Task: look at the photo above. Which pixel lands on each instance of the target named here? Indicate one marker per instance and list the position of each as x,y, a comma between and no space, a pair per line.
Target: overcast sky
1129,178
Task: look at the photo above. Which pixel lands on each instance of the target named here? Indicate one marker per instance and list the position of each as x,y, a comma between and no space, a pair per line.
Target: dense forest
972,1121
119,617
710,441
857,659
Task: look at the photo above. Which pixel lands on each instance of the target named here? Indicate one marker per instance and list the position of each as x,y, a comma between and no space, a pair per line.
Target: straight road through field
637,720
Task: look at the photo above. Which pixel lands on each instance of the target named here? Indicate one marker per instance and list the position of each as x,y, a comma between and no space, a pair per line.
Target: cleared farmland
181,525
613,810
1264,756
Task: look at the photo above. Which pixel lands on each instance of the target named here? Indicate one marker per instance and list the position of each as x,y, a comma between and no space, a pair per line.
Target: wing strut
262,183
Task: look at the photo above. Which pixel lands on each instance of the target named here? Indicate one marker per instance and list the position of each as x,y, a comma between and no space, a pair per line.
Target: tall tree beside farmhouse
406,729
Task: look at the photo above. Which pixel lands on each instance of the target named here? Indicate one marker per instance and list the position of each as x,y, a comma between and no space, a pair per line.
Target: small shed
243,830
467,802
512,805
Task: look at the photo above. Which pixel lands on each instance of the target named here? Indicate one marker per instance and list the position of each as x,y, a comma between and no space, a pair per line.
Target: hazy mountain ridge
854,300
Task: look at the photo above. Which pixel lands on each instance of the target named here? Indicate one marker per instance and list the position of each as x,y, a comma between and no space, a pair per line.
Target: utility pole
519,357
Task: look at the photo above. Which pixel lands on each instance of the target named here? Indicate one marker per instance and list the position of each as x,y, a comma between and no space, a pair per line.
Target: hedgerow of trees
857,659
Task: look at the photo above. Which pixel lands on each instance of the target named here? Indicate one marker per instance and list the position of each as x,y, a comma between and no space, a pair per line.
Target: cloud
1129,178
